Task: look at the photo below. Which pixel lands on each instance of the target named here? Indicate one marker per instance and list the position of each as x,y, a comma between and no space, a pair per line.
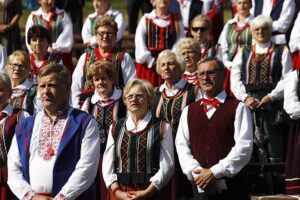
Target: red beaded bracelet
115,190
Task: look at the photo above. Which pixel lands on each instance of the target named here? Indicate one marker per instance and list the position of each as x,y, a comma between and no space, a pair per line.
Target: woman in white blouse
139,157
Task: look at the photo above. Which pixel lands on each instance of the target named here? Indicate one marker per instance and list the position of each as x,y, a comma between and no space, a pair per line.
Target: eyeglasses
209,74
201,29
138,96
109,34
16,66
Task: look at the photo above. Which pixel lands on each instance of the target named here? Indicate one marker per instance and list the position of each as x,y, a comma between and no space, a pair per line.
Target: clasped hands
204,178
254,103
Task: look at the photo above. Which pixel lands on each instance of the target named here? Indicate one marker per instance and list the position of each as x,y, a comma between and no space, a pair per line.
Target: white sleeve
87,166
108,170
128,68
166,160
294,43
223,48
286,16
64,42
18,185
86,32
77,81
29,24
286,62
240,154
291,101
237,86
121,21
3,58
142,54
182,142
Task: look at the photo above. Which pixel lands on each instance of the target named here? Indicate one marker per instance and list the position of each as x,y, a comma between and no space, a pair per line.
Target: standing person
174,95
282,13
24,90
292,105
133,7
55,153
101,8
139,157
39,40
294,43
200,30
106,33
157,31
58,23
257,80
10,14
9,117
106,106
214,138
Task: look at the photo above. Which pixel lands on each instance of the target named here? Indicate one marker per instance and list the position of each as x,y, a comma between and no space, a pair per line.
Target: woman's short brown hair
106,21
100,67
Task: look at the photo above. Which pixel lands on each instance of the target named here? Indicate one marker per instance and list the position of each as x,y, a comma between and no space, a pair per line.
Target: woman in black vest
139,157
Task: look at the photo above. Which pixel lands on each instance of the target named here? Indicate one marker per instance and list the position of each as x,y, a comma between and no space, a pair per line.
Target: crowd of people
181,119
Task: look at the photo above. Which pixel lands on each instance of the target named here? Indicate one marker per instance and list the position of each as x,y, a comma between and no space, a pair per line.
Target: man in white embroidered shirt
214,138
54,154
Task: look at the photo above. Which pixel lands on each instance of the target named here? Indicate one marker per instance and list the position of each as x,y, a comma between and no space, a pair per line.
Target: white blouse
294,43
291,100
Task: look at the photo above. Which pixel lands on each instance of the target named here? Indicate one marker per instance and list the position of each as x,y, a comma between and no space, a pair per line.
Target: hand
252,102
204,177
140,195
40,197
4,27
51,50
264,102
121,195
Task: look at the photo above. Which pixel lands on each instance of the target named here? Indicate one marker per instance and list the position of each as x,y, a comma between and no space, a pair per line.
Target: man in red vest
214,138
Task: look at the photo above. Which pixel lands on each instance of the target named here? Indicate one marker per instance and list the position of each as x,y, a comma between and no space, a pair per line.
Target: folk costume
153,35
137,155
259,71
282,13
106,112
81,88
294,43
222,142
37,65
9,117
24,97
58,159
61,31
291,105
88,31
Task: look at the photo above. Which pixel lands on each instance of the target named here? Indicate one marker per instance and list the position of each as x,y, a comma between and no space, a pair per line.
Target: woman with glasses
200,30
106,106
174,94
139,157
23,90
190,50
156,31
106,34
9,117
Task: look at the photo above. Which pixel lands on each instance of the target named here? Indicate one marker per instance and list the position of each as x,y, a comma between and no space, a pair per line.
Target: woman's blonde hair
22,56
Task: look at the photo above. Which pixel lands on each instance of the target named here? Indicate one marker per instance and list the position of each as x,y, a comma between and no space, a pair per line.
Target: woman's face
243,7
161,4
103,83
101,5
261,34
200,31
170,70
137,101
39,46
17,71
47,5
106,37
191,59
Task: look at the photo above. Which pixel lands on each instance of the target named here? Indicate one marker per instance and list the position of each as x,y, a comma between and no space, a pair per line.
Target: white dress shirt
175,88
238,87
166,158
128,72
41,171
285,20
238,156
86,31
142,54
224,46
291,100
294,43
64,42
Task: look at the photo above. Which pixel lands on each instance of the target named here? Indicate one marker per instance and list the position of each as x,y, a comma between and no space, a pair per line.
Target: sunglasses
202,29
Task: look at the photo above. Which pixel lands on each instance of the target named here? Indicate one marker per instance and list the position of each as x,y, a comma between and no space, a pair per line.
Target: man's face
211,78
54,93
